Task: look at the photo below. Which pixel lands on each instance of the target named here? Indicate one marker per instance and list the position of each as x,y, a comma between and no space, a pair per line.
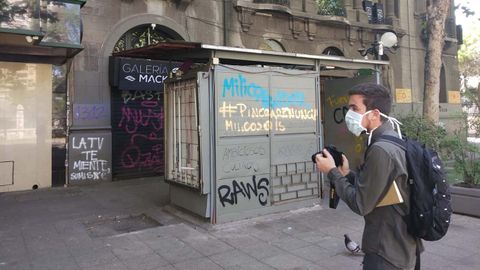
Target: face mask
354,122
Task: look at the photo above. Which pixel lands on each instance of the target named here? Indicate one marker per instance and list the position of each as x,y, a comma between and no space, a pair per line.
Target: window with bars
183,125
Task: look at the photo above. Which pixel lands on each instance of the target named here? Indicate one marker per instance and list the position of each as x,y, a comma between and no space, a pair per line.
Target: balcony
40,29
275,2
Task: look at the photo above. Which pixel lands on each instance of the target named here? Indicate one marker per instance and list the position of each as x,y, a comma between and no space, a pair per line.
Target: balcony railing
53,21
276,2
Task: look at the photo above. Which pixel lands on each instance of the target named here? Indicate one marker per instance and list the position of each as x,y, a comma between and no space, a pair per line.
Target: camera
337,157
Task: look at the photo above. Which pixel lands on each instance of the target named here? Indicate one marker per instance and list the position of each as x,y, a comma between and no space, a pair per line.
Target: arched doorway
145,35
137,113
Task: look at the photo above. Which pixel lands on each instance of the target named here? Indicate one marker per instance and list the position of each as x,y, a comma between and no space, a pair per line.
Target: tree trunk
437,12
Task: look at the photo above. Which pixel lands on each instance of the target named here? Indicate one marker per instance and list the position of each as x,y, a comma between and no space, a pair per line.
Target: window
443,86
333,51
144,35
272,45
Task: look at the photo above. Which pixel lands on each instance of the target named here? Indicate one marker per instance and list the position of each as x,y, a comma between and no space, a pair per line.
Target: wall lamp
31,39
388,41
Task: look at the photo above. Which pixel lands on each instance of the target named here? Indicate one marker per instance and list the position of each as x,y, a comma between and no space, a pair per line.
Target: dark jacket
385,231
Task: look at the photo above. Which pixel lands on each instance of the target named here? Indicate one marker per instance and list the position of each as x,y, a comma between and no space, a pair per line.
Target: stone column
358,4
391,17
360,13
390,8
349,12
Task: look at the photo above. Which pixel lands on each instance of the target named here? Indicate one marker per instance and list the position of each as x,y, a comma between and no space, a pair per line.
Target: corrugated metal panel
137,133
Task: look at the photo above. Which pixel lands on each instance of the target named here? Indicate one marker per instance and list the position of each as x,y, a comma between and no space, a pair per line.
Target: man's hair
375,96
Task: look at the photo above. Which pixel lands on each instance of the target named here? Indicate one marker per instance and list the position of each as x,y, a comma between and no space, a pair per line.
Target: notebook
393,196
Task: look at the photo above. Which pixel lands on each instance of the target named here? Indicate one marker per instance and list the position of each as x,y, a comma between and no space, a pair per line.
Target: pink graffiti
133,157
133,118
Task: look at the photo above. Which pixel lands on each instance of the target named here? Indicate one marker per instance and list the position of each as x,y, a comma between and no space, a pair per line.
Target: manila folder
393,196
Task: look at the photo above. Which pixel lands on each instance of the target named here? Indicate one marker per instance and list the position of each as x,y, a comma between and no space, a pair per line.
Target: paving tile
179,254
312,253
206,244
289,243
91,258
262,250
232,258
128,246
146,262
15,265
288,261
342,262
108,266
54,263
254,265
197,264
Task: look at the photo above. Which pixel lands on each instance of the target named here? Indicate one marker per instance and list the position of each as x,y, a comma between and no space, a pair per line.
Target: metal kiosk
241,126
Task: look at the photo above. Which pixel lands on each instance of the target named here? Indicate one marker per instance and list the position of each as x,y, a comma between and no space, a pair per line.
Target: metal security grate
185,132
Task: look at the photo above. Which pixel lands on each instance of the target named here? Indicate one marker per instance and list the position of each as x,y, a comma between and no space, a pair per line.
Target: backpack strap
395,140
403,145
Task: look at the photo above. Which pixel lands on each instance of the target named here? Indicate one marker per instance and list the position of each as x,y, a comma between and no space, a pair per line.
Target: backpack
430,207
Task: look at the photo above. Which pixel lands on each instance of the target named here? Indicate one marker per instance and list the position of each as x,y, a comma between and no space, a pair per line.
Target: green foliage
466,156
330,7
453,147
423,130
469,54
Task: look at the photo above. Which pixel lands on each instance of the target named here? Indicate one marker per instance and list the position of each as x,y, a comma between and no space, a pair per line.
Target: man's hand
325,162
345,168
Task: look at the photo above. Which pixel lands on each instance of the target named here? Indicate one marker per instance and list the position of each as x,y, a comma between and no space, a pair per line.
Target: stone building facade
297,26
339,28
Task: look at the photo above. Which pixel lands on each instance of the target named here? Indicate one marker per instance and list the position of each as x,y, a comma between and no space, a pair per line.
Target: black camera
337,155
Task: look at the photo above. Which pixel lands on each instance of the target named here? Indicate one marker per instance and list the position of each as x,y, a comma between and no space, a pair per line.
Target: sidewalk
90,227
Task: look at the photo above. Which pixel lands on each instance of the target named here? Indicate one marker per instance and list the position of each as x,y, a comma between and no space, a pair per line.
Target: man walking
386,242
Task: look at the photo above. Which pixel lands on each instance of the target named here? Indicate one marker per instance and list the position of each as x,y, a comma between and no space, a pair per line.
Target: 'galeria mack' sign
139,74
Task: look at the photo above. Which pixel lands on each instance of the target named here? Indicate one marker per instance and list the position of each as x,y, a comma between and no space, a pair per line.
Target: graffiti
229,194
235,166
254,126
90,111
243,151
134,157
140,95
294,148
138,121
239,87
272,118
334,101
339,114
88,165
150,114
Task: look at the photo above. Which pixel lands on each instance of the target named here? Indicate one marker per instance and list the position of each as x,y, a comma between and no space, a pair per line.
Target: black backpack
430,207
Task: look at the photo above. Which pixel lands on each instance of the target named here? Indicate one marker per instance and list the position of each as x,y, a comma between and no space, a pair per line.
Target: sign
403,95
454,97
139,74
